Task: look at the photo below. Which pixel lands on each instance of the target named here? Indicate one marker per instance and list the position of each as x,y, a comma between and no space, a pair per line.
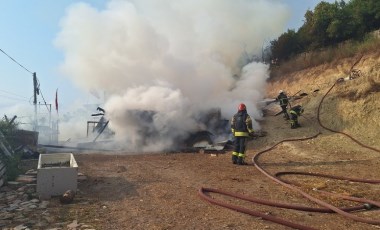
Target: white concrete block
56,173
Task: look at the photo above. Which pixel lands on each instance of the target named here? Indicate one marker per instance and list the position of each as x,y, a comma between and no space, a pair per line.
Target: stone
34,200
31,172
73,225
33,206
25,203
43,204
67,197
20,227
6,216
14,184
11,197
4,223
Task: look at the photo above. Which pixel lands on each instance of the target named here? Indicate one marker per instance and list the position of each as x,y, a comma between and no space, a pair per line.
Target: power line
14,94
12,98
16,61
38,87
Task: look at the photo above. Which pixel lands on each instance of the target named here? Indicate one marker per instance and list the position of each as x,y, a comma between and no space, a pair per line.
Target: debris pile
21,208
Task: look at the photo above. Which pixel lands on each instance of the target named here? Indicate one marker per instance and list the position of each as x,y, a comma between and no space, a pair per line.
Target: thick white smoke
174,57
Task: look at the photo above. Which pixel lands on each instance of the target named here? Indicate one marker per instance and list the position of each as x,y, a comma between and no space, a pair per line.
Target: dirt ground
160,191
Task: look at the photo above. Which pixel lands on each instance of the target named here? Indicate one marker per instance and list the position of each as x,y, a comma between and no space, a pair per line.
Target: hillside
161,191
352,106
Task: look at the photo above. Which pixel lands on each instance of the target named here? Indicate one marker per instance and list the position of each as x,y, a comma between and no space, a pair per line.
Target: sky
121,54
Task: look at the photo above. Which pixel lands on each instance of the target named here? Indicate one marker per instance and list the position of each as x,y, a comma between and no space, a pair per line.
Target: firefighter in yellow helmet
241,127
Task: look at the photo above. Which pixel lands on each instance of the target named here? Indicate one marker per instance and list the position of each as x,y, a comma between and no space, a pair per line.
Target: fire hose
327,208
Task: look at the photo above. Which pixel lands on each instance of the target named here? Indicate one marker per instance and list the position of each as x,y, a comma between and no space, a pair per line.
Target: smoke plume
175,58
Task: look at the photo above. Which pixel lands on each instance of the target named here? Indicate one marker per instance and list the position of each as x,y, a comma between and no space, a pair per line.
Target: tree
329,24
305,37
285,46
365,16
341,26
324,14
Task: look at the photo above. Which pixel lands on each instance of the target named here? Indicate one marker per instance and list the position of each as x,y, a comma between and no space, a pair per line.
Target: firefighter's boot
241,161
234,159
286,116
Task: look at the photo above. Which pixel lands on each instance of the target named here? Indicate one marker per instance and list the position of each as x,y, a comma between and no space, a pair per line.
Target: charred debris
213,136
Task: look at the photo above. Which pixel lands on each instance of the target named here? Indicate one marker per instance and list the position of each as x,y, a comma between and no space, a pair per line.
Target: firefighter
241,127
284,101
294,113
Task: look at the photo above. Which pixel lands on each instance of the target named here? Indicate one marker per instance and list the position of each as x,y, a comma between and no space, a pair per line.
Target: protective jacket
296,110
241,124
283,99
294,113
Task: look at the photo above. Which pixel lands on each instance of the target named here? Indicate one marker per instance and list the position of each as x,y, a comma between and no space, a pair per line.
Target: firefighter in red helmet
241,127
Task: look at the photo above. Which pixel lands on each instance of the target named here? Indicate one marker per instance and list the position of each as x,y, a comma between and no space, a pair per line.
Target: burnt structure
210,126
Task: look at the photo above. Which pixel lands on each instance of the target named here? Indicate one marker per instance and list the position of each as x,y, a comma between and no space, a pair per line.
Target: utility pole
35,92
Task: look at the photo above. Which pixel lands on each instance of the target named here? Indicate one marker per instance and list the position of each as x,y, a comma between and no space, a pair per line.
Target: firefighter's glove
340,80
253,135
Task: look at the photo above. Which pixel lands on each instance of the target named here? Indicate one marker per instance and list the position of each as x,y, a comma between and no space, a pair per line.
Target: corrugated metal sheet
6,151
2,173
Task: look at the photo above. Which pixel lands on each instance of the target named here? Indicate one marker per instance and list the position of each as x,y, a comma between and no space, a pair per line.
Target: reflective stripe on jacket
293,112
283,99
241,124
296,110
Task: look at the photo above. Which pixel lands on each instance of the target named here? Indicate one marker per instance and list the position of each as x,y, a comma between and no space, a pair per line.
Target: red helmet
242,107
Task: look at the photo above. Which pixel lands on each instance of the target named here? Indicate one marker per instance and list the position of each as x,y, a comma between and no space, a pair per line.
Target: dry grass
330,56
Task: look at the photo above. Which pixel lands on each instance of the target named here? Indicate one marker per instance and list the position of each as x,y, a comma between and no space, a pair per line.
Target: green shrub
12,166
11,162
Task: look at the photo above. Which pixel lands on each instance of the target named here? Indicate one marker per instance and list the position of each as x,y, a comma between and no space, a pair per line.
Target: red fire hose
328,208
